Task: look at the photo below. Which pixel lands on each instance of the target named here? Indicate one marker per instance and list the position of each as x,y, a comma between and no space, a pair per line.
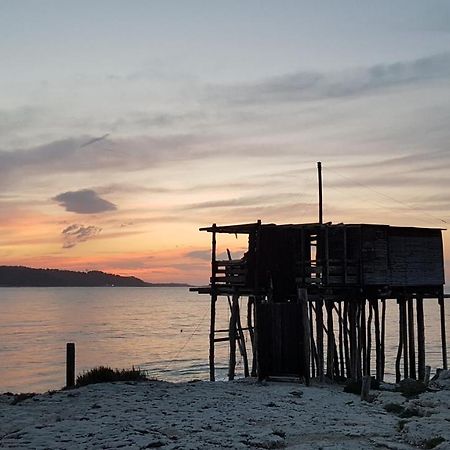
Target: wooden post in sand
420,338
443,336
212,331
365,387
70,365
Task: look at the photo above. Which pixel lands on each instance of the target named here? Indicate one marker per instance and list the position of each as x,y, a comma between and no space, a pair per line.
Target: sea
162,330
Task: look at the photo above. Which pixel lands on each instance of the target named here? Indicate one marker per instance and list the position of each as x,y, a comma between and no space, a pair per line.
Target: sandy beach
240,414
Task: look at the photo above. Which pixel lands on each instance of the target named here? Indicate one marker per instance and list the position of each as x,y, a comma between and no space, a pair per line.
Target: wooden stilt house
315,291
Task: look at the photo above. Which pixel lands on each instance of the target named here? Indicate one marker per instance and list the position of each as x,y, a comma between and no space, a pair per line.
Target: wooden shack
316,291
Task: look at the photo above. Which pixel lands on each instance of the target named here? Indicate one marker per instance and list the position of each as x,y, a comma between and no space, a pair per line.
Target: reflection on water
162,330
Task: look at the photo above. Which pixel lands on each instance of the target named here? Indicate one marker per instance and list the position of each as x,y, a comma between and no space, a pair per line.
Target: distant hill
19,276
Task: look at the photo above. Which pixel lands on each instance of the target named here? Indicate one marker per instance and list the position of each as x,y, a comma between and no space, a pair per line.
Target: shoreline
238,414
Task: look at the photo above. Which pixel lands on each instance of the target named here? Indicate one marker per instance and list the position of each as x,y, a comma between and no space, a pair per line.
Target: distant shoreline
20,276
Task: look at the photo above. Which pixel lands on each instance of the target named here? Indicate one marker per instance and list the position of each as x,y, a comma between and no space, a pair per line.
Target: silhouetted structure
302,278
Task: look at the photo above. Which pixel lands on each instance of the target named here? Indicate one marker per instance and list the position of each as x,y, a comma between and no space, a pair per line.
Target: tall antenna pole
319,173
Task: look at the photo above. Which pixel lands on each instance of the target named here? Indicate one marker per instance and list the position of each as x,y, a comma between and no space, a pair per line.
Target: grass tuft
104,374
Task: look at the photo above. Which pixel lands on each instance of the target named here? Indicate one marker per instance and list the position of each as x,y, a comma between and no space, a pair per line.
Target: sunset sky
127,125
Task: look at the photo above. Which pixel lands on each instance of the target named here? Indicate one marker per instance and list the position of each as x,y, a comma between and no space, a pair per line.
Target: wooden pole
313,344
233,336
348,365
443,335
241,342
420,338
319,341
70,365
303,299
251,331
405,339
212,327
377,340
398,375
363,337
353,341
383,337
330,339
369,339
319,172
341,341
412,347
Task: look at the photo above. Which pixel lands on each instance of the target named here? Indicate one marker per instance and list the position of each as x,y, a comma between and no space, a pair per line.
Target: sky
127,125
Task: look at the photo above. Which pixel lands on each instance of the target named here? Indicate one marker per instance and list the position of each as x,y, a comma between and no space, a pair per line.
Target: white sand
202,415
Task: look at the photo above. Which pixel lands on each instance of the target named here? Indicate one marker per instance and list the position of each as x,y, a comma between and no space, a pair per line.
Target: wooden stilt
412,347
398,375
319,341
353,341
348,365
313,344
376,316
363,337
233,336
383,337
251,331
405,339
420,338
443,335
330,340
303,300
212,327
369,338
241,342
341,342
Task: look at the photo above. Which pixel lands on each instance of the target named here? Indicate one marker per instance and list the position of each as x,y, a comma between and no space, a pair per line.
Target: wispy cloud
304,86
75,233
85,201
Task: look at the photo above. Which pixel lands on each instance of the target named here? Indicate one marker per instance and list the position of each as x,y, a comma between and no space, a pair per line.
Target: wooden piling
369,339
303,300
341,341
420,339
411,339
398,374
70,365
319,340
404,338
376,316
251,331
233,336
383,337
443,335
313,344
212,327
330,340
348,366
363,337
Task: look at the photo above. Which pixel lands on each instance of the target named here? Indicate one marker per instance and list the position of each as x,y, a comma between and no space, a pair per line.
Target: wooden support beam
420,339
411,339
369,339
348,365
319,341
405,339
377,340
441,301
302,295
250,310
341,341
70,365
363,337
212,326
311,338
383,337
233,336
330,340
398,375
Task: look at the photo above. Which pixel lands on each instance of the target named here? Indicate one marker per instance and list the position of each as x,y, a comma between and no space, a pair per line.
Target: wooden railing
230,273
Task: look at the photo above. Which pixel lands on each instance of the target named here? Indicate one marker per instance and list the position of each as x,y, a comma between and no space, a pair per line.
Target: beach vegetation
104,374
433,442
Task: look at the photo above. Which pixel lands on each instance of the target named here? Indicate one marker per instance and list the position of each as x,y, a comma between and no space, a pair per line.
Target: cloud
310,85
74,234
94,140
85,201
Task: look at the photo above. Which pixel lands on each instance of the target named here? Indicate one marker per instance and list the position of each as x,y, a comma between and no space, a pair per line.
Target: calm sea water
162,330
